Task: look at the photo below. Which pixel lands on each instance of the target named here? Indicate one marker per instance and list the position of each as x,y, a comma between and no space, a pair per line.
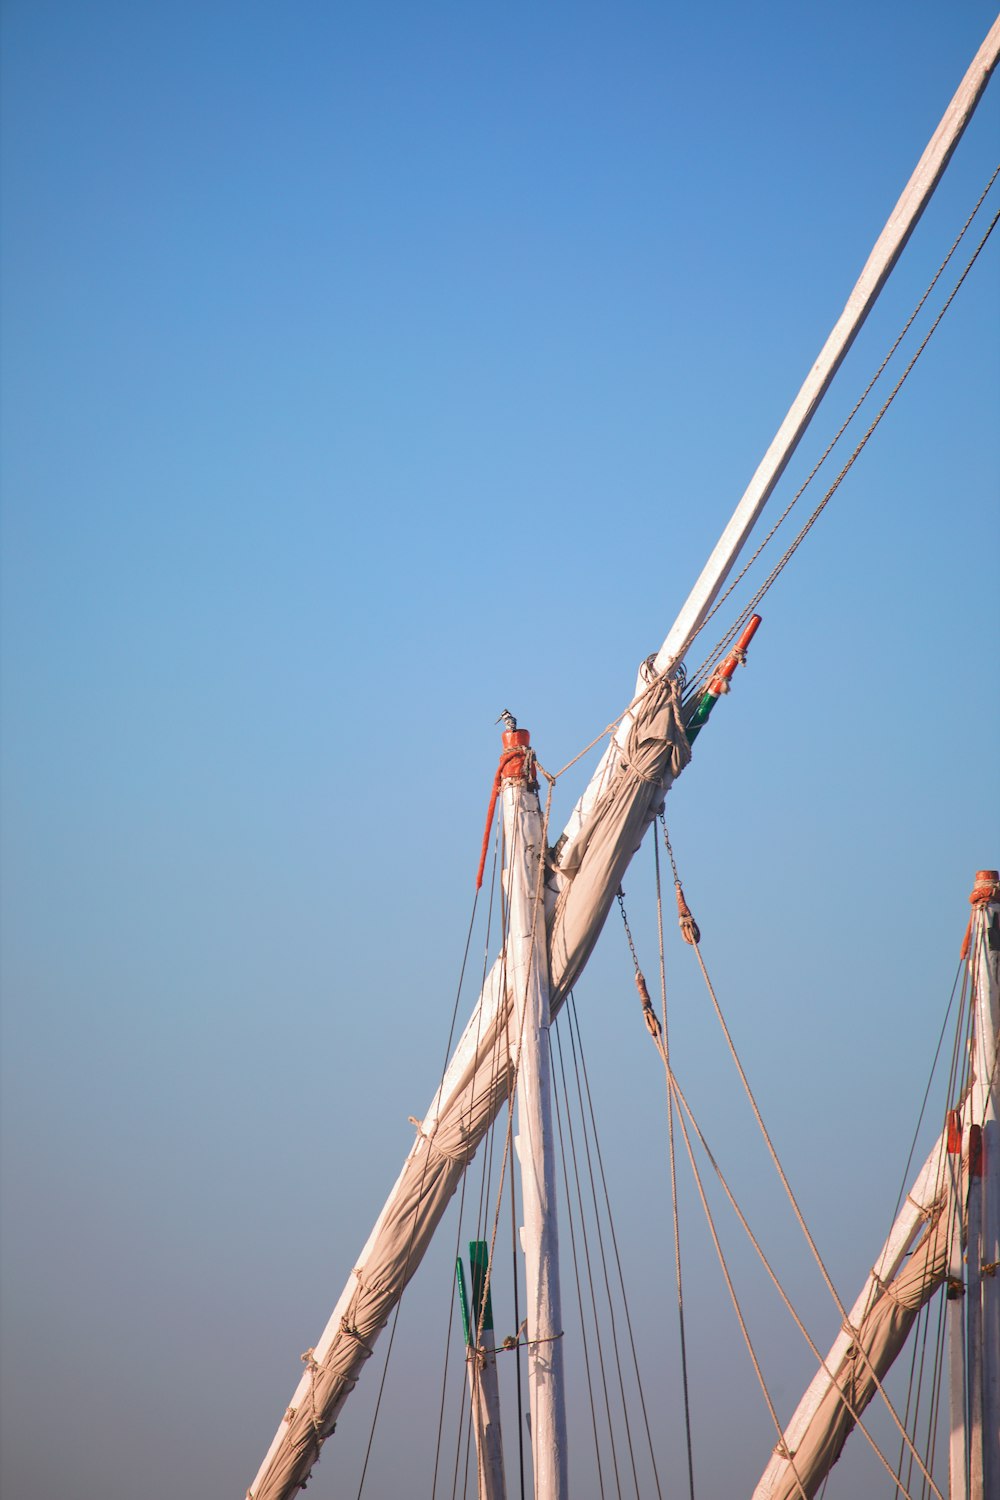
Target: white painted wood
958,1447
527,978
484,1397
904,1231
974,1335
984,1108
458,1072
887,250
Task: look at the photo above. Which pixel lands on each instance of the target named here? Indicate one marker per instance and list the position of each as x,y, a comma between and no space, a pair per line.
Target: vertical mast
481,1359
528,981
983,1117
473,1089
958,1442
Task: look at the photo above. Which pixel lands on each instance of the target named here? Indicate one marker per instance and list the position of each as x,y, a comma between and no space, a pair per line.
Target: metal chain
620,898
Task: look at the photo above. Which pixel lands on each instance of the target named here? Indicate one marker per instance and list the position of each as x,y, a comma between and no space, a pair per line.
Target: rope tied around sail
462,1153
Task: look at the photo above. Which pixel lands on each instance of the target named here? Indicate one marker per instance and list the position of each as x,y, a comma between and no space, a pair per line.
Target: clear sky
368,369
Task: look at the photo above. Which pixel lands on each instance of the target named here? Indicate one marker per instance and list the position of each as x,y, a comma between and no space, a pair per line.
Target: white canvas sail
917,1256
648,751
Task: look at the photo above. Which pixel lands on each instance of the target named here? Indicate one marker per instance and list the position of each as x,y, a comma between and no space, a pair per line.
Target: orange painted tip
514,739
749,633
986,887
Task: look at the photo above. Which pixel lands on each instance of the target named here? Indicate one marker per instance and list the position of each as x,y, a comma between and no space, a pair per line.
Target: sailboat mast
528,980
983,1115
600,839
887,250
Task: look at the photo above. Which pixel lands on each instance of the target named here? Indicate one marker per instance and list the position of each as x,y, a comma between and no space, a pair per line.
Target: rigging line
795,1206
933,1423
487,1156
447,1345
515,1268
844,426
513,1069
772,1274
873,1293
575,1018
915,1391
587,1263
927,1090
673,1177
800,1218
937,1367
585,1342
464,1427
502,1037
786,557
468,1451
604,1269
733,1297
413,1221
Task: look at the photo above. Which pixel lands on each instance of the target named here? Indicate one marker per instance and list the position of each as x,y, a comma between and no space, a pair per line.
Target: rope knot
648,1013
986,887
690,931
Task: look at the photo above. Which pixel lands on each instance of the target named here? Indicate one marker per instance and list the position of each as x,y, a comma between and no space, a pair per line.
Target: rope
576,1266
604,1264
673,1086
575,1023
759,1251
697,677
732,1294
590,1274
413,1222
671,1147
800,1219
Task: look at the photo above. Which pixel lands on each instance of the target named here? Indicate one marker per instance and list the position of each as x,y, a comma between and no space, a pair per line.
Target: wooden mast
528,983
983,1135
333,1367
885,253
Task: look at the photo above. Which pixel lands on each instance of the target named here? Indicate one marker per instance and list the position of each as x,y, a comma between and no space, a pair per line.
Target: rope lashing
985,889
648,1013
719,681
517,763
690,931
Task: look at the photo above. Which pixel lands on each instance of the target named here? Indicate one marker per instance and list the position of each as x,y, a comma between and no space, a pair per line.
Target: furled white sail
474,1087
937,1204
648,751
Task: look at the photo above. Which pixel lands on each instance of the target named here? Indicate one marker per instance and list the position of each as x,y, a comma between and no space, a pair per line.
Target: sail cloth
878,1339
655,752
475,1085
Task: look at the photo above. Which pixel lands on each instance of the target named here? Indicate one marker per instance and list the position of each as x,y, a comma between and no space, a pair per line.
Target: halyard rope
575,1026
673,1170
800,1219
696,677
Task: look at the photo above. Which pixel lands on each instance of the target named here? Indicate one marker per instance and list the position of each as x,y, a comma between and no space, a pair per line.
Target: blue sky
367,370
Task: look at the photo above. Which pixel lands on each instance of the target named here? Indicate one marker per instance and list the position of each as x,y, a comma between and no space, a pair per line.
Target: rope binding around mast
517,763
